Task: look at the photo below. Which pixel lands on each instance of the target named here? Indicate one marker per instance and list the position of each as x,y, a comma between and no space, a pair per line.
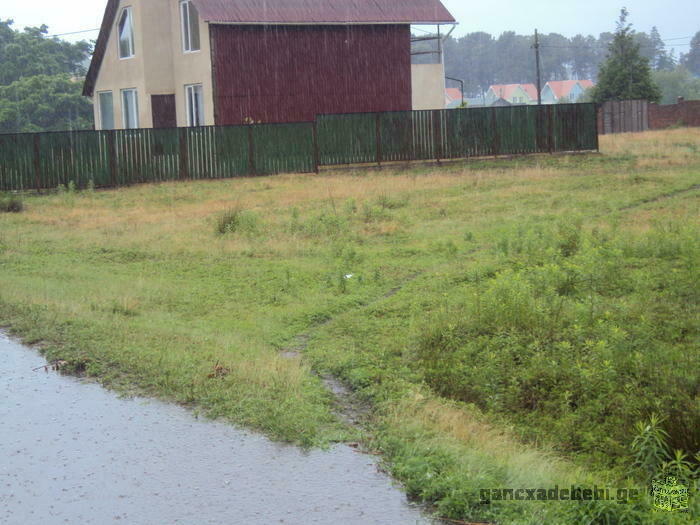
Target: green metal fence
456,133
124,157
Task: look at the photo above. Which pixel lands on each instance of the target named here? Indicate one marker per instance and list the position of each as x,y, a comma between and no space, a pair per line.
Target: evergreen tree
691,60
661,59
583,56
626,74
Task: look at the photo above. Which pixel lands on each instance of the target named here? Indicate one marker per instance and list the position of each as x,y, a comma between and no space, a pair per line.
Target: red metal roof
531,90
562,88
453,94
323,11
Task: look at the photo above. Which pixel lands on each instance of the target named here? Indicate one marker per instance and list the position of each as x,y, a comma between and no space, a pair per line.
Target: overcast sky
677,20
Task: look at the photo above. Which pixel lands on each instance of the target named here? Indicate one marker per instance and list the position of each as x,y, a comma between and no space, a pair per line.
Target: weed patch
11,203
573,322
238,221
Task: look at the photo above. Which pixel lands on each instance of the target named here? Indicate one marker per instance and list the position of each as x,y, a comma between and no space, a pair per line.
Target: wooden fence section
456,133
123,157
623,116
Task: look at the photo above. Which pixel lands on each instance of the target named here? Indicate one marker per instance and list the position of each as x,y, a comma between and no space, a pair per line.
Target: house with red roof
565,91
166,63
515,94
453,98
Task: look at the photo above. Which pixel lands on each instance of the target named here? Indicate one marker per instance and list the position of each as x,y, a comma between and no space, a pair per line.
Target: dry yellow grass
677,147
463,430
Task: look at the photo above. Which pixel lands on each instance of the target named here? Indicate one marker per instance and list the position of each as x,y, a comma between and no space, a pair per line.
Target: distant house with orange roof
565,91
453,98
512,93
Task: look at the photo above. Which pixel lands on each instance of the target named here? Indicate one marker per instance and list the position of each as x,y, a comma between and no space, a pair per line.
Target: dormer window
126,34
190,26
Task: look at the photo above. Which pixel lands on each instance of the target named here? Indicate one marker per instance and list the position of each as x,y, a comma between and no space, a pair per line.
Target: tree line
482,59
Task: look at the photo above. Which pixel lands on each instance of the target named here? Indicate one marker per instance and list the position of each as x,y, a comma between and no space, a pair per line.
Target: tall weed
581,336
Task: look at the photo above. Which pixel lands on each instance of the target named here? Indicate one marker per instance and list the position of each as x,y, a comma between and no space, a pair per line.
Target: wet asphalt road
72,452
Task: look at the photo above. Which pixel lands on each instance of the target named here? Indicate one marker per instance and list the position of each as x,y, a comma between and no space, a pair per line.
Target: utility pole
539,70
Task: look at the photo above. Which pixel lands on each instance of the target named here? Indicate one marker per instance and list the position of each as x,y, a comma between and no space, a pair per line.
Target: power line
75,32
600,46
678,38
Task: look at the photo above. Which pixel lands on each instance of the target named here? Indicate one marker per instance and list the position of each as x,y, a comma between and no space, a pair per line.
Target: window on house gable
106,105
190,26
126,34
130,109
194,98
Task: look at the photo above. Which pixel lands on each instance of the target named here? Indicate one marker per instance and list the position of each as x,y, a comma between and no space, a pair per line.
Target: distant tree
583,57
677,83
31,52
626,73
556,56
473,59
661,59
515,58
691,60
44,103
40,81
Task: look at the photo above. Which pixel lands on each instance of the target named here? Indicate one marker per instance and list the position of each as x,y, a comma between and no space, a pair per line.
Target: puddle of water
73,452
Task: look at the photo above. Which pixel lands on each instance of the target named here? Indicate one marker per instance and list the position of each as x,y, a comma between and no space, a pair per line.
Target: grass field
524,322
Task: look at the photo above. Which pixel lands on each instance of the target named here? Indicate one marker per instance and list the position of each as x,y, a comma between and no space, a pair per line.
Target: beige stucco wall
117,74
428,86
159,67
191,68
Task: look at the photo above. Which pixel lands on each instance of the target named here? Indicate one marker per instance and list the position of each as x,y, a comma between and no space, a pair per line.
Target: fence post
495,145
112,154
251,151
37,160
437,134
597,130
378,133
317,155
184,154
550,128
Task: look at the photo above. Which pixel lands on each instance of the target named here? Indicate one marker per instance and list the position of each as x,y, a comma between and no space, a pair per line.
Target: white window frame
191,105
130,21
134,107
186,28
101,113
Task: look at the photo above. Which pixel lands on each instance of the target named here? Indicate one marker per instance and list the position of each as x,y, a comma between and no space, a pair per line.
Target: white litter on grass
349,276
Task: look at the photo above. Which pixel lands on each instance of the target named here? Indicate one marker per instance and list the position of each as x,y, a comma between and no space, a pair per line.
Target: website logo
669,495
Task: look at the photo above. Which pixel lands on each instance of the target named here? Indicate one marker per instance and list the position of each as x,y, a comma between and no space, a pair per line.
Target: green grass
511,322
